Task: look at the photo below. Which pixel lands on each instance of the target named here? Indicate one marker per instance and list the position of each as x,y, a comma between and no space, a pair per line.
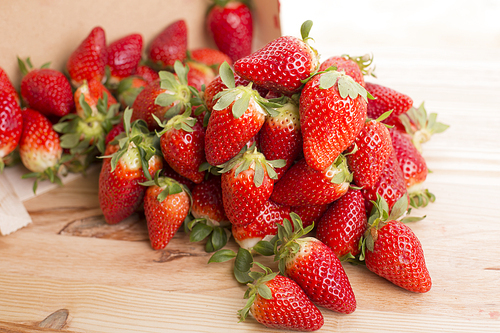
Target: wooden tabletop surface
108,279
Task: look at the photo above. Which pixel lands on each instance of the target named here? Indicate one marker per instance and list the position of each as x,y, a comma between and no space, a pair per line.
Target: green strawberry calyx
338,172
257,287
251,158
182,121
364,62
178,94
136,139
168,185
346,85
241,96
421,126
288,240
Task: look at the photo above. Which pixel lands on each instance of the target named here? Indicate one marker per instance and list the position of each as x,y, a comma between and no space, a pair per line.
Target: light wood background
110,280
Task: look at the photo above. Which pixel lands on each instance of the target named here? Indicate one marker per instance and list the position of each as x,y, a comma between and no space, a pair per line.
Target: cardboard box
50,30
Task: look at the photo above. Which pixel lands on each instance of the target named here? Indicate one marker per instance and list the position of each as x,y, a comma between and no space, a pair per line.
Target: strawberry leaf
399,208
218,239
264,291
241,104
200,232
305,29
259,174
222,256
243,261
225,98
328,79
242,277
265,248
226,74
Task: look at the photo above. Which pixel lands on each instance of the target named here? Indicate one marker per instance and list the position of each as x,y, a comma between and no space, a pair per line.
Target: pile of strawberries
269,147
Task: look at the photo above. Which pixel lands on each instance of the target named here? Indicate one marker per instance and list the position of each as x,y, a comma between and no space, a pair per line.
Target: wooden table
110,280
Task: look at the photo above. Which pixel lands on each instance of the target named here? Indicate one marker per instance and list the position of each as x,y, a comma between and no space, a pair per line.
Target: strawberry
355,67
182,143
332,113
113,132
124,55
166,205
124,167
314,266
210,221
386,99
343,224
247,183
280,136
420,126
207,202
164,99
237,117
312,187
46,90
88,61
11,123
92,91
167,171
84,133
7,86
147,73
282,64
210,57
391,184
263,227
170,45
278,302
199,74
368,154
392,251
39,147
414,168
309,214
128,89
230,25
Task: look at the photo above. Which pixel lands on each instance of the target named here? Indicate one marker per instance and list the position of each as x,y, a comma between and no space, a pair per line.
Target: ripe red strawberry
7,86
309,214
183,146
210,221
282,64
113,132
210,57
368,154
420,126
166,205
164,99
170,45
280,136
167,171
391,184
11,124
120,193
247,183
314,266
264,226
312,187
237,117
147,73
124,55
332,113
278,302
207,202
414,168
386,99
230,25
392,251
39,147
343,224
88,61
355,67
46,90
